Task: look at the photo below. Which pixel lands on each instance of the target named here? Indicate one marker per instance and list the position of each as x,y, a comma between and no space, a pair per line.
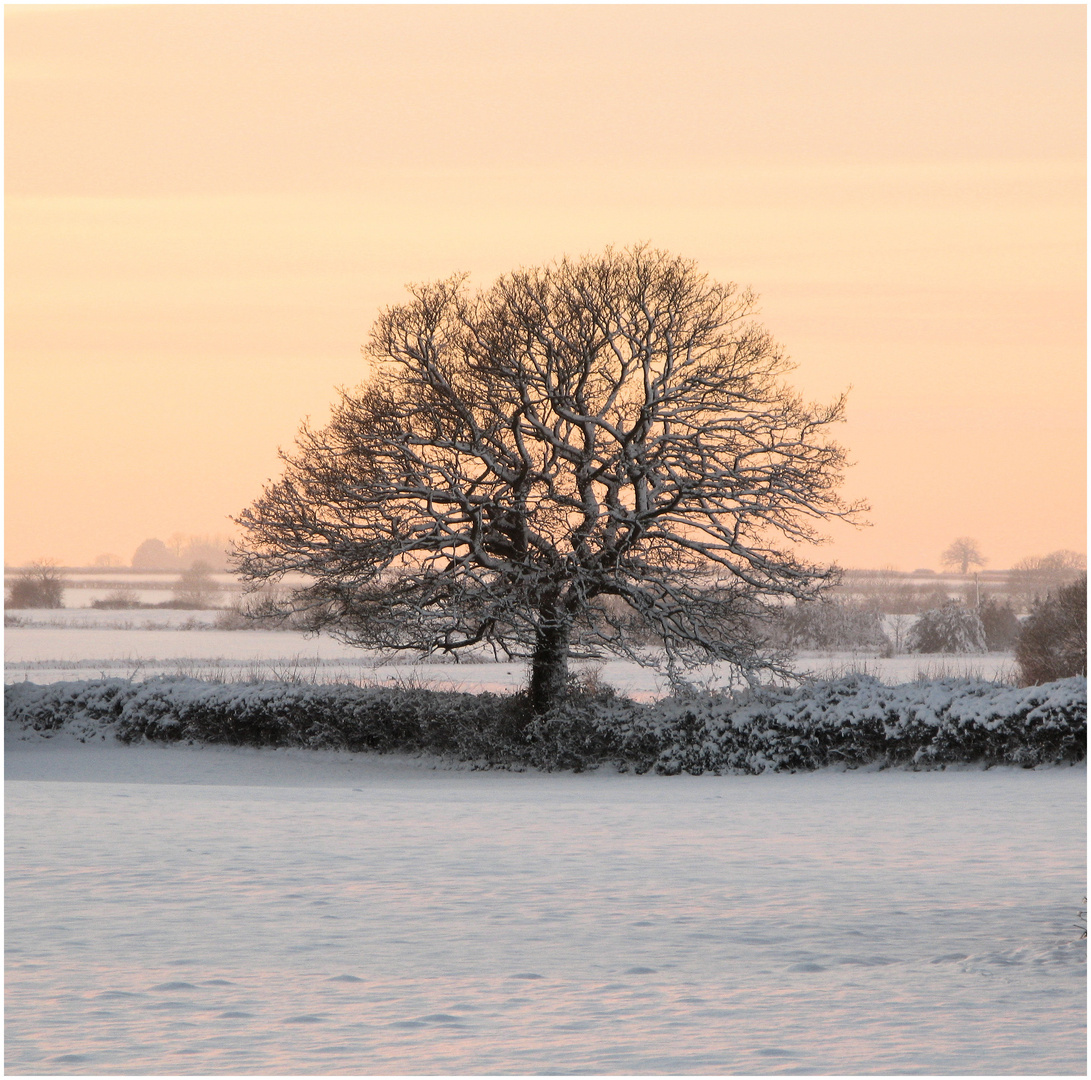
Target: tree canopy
591,454
963,553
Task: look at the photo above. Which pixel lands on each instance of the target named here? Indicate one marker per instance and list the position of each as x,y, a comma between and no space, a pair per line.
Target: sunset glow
208,205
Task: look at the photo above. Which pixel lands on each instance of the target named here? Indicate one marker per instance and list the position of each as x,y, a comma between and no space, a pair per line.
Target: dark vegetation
851,722
39,585
1053,641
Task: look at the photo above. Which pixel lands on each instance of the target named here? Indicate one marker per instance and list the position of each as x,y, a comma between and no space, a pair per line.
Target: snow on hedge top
854,720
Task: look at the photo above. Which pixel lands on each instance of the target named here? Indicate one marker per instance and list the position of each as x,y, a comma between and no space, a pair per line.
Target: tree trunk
549,668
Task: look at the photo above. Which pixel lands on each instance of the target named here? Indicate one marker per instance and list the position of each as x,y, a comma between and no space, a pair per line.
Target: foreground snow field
214,910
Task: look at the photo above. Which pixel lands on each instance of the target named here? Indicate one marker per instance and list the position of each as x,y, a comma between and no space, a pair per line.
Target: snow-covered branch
613,427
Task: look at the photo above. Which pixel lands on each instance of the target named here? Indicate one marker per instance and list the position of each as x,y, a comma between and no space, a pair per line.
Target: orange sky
206,206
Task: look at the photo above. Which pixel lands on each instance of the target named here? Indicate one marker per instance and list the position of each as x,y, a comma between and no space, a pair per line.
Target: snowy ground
215,910
72,643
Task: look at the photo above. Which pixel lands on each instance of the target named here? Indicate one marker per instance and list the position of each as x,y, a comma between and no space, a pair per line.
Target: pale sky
206,206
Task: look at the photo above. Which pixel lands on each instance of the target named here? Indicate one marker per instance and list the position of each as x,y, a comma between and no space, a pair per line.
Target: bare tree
39,585
609,427
963,553
1032,578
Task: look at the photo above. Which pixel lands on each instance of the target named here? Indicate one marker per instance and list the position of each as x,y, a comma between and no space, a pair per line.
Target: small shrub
118,600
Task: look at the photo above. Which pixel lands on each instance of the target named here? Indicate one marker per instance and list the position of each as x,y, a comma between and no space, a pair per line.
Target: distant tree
154,555
213,551
39,585
614,426
195,587
1053,641
1031,579
107,560
948,629
190,550
963,553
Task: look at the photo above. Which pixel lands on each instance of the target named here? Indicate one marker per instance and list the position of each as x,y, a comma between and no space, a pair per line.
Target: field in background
75,643
85,585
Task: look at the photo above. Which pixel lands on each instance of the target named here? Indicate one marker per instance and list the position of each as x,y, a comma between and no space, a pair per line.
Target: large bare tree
580,449
963,553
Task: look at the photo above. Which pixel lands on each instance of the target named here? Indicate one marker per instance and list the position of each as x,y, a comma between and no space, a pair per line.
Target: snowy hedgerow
84,708
846,722
172,709
857,721
948,629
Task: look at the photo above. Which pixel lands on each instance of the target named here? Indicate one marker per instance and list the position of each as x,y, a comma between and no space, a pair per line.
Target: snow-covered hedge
851,721
857,721
335,716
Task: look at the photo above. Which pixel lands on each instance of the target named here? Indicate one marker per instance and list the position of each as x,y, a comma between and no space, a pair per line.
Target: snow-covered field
214,910
49,646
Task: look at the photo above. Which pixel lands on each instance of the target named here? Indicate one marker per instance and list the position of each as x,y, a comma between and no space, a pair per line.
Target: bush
1053,642
118,600
948,629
